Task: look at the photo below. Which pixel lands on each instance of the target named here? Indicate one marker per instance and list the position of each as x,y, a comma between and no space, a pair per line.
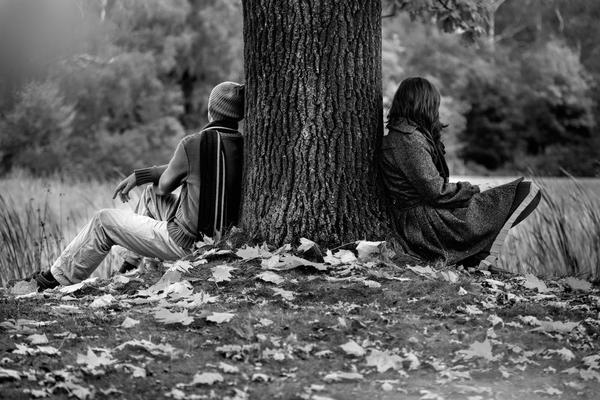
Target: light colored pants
143,232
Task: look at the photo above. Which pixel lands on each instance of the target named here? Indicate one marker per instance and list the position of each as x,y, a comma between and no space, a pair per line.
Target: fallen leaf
48,350
367,250
165,281
273,354
533,282
37,339
265,322
103,301
549,391
273,262
285,294
564,353
324,354
236,351
472,309
228,369
589,374
331,259
196,300
66,309
412,360
387,387
342,376
383,360
428,395
305,245
345,256
37,394
207,378
8,374
92,361
592,361
78,286
578,284
478,350
549,326
221,273
177,394
452,374
183,266
290,262
129,322
178,290
24,350
258,377
449,276
353,348
286,248
272,277
119,280
371,284
163,349
250,253
495,320
136,372
219,318
167,317
424,271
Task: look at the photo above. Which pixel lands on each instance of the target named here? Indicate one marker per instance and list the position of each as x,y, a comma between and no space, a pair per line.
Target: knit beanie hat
227,101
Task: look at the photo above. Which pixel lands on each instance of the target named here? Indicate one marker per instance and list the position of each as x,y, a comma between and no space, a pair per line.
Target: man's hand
124,188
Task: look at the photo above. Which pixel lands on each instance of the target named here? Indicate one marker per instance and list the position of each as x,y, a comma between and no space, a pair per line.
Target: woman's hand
124,187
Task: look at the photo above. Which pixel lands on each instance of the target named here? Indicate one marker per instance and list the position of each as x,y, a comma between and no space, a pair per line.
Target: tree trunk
313,120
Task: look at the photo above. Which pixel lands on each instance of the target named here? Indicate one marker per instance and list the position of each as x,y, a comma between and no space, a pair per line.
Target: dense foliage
100,87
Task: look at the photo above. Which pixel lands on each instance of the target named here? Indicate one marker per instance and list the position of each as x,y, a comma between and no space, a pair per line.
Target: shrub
34,133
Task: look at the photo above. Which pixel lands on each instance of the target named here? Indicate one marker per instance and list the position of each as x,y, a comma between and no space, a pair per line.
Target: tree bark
313,120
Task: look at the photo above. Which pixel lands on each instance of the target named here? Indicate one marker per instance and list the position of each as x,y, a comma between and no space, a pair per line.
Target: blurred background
100,87
91,89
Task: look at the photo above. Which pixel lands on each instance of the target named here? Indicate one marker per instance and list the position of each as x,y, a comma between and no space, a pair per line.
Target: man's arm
165,178
174,173
137,178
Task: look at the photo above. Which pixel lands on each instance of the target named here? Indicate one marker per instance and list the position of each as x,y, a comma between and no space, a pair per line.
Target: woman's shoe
526,200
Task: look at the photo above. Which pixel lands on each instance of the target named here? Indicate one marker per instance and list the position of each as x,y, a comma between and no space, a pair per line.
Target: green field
39,216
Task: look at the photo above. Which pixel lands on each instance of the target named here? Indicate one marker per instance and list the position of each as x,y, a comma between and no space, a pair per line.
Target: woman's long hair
418,101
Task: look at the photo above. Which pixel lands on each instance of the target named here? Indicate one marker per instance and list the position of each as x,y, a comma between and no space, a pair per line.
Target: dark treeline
100,87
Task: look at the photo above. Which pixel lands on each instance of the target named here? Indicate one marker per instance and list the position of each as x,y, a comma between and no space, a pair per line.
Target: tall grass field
38,217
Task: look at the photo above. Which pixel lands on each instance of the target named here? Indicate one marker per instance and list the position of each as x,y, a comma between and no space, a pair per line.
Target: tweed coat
437,220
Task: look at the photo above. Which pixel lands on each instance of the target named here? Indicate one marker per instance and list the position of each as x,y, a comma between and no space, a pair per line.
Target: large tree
313,81
314,114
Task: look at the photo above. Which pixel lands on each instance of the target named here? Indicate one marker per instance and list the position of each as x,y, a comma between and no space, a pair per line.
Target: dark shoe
526,200
45,280
126,267
523,191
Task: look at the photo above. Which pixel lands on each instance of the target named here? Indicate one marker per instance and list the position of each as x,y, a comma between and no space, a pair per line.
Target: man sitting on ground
208,167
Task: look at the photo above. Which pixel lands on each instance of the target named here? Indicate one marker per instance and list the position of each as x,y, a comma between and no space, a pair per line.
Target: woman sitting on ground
436,220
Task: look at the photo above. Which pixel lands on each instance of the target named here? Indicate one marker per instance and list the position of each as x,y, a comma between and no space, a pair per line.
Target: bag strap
212,185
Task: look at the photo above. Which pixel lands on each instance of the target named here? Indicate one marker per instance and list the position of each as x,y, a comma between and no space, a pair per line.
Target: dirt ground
260,325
